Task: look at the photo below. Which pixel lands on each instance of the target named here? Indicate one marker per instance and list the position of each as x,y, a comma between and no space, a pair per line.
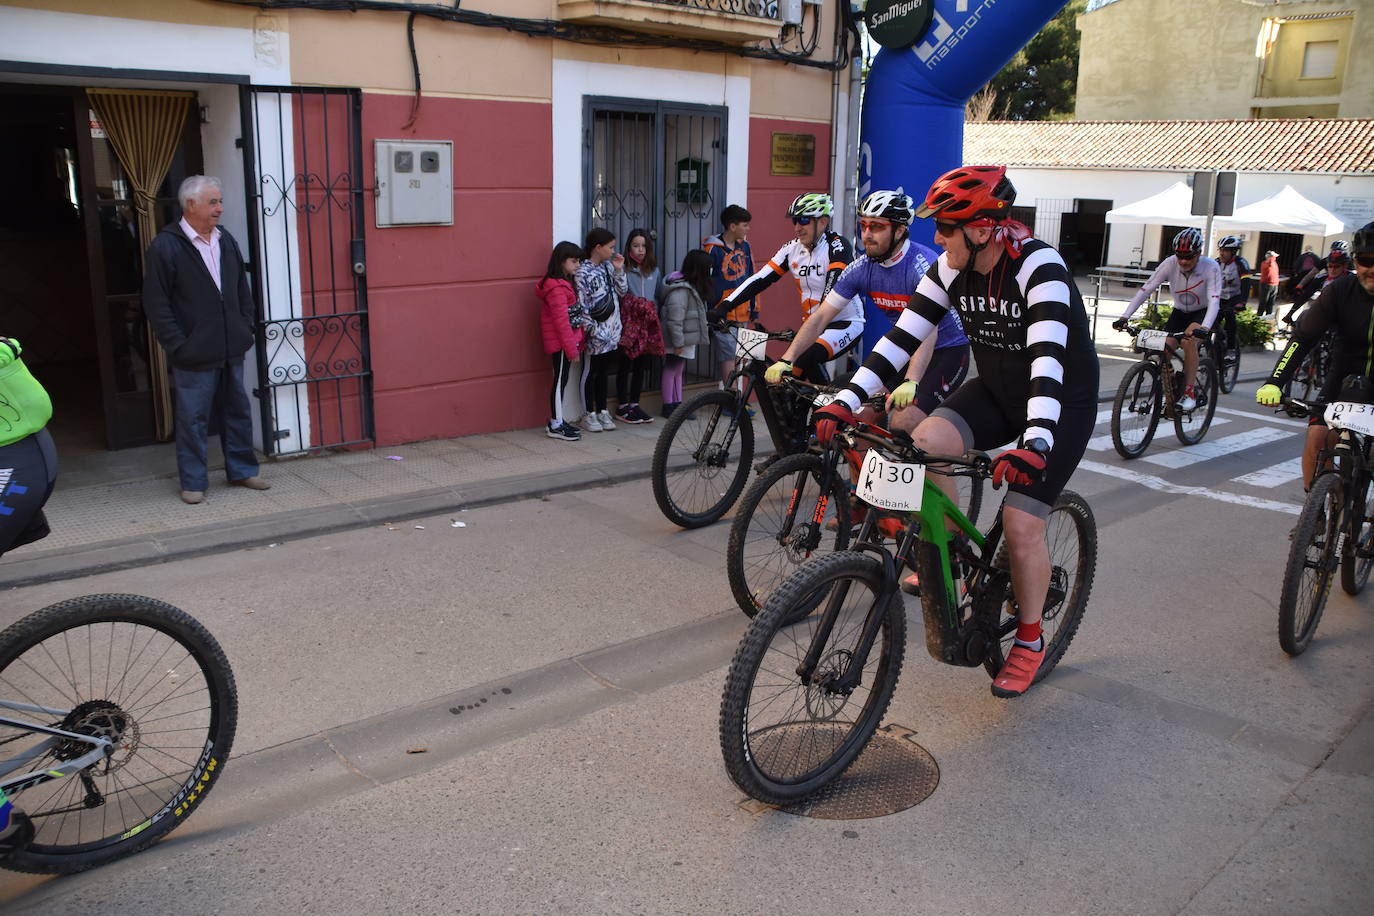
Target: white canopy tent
1170,207
1283,211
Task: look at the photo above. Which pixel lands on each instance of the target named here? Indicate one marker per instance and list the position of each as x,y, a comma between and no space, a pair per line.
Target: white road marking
1274,475
1262,417
1216,448
1165,486
1103,442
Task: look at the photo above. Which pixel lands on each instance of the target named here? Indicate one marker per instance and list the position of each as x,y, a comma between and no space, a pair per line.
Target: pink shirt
208,248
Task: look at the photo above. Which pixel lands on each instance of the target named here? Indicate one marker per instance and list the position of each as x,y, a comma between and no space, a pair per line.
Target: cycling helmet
1340,252
813,205
889,205
1229,241
1189,241
968,193
1364,239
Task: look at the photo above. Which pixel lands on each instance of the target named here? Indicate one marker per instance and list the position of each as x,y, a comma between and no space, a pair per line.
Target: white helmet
889,205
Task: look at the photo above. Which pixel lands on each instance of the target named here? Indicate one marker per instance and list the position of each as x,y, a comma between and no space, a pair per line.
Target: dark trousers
629,380
197,394
595,370
1269,297
560,381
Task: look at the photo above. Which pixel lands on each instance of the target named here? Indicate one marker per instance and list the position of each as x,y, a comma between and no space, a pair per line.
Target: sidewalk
115,510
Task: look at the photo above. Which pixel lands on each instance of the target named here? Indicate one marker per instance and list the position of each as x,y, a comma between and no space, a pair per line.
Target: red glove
828,420
1020,466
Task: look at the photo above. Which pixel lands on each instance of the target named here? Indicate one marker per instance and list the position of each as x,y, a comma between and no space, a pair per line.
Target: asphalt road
1176,762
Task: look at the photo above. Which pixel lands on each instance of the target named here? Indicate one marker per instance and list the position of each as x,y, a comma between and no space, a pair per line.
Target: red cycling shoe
1018,672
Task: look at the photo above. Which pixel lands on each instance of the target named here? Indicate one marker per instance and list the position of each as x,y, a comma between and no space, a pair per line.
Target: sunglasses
1186,255
801,220
873,225
943,227
1365,260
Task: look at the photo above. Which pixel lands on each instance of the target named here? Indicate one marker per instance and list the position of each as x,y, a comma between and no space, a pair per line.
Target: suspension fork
829,459
731,426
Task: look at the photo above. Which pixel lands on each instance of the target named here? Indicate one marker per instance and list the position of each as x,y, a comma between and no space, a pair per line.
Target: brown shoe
252,483
192,497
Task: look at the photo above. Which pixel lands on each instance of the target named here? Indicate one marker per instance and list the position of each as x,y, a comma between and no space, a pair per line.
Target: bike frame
751,371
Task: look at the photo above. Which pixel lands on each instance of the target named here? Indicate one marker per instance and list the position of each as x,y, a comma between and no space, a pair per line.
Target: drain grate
892,774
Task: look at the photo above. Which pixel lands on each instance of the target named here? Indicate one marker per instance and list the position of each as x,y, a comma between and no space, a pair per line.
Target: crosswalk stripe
1263,418
1129,475
1103,443
1215,448
1273,475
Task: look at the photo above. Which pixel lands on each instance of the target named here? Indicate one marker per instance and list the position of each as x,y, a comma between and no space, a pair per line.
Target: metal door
303,171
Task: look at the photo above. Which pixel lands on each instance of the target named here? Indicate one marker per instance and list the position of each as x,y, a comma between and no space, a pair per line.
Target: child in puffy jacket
684,322
561,319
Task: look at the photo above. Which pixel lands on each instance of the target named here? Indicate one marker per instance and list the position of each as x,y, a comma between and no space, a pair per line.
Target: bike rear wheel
1312,560
133,669
1357,553
782,740
781,524
698,468
1190,426
1135,412
1228,369
1071,535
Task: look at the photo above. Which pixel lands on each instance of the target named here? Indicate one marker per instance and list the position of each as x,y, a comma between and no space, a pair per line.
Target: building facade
1161,59
396,177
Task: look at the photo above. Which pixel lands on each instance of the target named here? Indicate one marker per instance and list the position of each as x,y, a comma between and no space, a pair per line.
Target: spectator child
641,338
600,284
558,321
731,264
684,322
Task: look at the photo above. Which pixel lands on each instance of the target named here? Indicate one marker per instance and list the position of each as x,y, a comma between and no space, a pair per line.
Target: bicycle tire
782,740
1311,562
1071,533
1140,397
694,492
1192,425
1230,371
756,561
1357,552
160,659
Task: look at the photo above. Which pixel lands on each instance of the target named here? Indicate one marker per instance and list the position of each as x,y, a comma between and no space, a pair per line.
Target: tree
1041,82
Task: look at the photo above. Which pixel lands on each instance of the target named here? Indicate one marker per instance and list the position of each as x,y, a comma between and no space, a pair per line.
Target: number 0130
891,484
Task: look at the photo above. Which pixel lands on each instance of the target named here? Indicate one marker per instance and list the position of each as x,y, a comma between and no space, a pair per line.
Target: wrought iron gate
302,160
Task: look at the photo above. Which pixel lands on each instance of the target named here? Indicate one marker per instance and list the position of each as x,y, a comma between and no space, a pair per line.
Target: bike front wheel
1135,412
701,461
1312,560
135,670
1357,553
1190,426
784,520
783,738
1071,536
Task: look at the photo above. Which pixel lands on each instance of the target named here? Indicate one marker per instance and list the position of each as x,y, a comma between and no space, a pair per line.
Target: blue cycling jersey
886,288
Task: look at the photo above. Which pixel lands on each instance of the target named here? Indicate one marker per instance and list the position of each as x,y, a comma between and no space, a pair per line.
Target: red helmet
968,193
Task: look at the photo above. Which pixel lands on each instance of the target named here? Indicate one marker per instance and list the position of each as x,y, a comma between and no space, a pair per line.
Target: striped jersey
813,270
1026,326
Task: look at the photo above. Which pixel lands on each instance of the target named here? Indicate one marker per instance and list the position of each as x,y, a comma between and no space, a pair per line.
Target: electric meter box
414,183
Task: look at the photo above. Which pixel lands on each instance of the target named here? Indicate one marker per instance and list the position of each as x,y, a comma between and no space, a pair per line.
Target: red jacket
557,296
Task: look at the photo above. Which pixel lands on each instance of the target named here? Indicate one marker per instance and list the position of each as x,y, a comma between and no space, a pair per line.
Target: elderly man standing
198,302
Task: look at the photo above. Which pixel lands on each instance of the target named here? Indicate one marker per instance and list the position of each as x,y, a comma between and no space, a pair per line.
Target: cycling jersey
814,271
1345,306
887,286
1194,290
1026,325
1235,281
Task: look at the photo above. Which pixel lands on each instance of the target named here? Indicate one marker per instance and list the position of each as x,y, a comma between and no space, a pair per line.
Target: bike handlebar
899,446
809,390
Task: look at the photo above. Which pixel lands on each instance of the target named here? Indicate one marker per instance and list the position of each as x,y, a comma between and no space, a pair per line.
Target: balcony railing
734,21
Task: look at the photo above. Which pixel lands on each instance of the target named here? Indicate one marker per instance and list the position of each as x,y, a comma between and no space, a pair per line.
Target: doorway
71,267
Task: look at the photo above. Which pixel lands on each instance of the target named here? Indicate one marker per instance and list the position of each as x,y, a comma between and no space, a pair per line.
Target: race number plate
824,398
1150,340
1349,415
891,484
750,344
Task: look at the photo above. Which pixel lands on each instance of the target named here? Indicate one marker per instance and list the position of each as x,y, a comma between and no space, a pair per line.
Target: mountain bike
1151,389
1227,360
804,695
117,713
1336,524
701,461
801,506
1306,383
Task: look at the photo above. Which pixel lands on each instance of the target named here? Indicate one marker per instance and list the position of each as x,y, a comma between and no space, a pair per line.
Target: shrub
1252,330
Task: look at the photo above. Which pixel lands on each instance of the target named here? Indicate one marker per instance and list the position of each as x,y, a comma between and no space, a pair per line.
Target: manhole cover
892,774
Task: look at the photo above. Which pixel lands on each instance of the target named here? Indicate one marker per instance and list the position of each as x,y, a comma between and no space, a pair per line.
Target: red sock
1028,633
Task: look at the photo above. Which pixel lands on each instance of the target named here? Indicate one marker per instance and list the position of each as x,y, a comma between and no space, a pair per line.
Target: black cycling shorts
28,469
1178,322
985,424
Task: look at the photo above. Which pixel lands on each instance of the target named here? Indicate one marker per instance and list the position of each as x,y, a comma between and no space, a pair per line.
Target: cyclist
1236,280
1037,375
1346,304
815,258
28,460
1337,265
1196,284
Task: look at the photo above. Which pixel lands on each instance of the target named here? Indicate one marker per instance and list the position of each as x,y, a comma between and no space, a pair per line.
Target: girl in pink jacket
561,320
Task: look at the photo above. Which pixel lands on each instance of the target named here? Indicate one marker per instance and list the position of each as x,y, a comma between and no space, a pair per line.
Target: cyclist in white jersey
814,259
1196,284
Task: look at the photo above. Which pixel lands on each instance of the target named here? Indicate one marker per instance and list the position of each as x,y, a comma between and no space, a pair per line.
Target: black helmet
1364,240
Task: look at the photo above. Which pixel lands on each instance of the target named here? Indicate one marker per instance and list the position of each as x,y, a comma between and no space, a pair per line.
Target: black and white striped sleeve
924,309
1044,282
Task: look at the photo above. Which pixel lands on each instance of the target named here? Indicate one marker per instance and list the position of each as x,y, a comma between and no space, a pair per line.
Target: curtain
144,129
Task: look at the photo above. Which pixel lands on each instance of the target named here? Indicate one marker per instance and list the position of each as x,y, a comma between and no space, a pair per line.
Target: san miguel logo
898,24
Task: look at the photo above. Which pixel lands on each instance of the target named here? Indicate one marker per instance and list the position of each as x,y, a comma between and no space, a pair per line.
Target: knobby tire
1311,562
693,493
1132,426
